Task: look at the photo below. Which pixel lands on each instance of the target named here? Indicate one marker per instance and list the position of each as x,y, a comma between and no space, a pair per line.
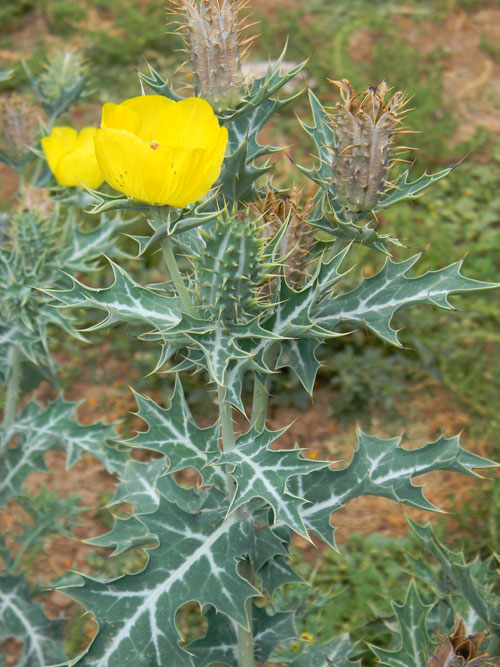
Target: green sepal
380,468
416,647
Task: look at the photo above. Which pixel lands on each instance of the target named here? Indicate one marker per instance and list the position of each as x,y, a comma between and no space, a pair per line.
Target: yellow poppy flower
71,156
160,151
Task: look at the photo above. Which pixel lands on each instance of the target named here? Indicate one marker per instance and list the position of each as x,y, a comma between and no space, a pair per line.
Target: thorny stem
11,397
173,269
245,641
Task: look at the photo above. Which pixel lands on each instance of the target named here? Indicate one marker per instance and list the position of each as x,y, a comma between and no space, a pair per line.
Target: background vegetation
363,41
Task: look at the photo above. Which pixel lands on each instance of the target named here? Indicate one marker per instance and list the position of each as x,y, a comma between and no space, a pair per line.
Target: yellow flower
71,156
160,151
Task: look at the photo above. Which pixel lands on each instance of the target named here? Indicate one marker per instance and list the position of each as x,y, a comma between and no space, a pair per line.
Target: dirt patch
472,75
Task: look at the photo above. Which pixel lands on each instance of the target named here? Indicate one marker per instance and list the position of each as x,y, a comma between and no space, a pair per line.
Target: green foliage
352,588
367,378
49,514
460,218
24,619
54,427
228,312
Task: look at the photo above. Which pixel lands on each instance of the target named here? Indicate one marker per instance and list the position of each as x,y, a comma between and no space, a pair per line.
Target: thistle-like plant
249,289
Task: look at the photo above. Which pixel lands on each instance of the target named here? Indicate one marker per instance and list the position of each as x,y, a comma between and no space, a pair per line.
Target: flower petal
154,112
130,165
60,141
212,168
120,117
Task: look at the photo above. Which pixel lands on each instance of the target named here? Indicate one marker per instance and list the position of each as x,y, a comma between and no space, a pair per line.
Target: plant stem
173,269
12,392
39,530
260,400
261,391
245,641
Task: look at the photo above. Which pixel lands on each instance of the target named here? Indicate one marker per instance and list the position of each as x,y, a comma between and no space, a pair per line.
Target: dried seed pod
213,33
19,120
460,650
365,126
298,238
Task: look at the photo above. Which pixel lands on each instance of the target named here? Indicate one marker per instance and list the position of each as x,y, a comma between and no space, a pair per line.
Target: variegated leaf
174,433
23,619
220,644
124,301
415,646
333,653
380,468
196,560
374,303
54,427
260,472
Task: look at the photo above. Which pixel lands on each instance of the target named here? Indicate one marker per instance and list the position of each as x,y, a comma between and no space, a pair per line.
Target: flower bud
216,46
365,126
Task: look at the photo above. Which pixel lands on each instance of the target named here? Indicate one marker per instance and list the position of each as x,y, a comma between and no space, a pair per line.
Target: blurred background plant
363,41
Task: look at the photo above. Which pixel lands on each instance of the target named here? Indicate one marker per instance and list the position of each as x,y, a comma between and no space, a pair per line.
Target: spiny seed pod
64,76
231,269
365,126
277,210
460,650
213,33
33,236
19,120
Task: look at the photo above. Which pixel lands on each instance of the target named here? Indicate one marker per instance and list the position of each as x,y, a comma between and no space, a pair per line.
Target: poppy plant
71,157
159,151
